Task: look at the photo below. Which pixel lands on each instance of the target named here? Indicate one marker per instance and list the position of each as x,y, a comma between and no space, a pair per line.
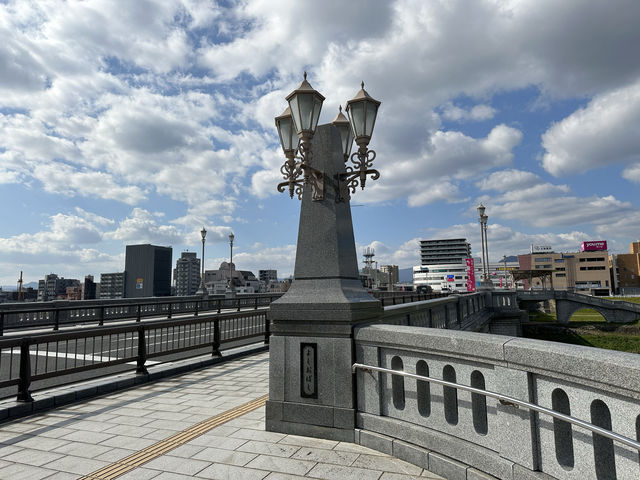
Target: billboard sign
450,278
471,275
593,246
139,283
541,248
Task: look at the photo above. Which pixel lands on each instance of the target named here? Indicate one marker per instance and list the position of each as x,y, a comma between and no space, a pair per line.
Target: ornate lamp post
312,325
482,218
202,290
231,288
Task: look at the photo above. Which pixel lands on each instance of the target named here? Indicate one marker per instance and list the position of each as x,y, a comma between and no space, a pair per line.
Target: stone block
446,467
277,361
473,474
65,398
306,430
522,473
376,441
305,413
344,418
273,410
411,453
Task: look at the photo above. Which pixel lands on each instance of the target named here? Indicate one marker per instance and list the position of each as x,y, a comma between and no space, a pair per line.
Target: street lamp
231,286
482,218
302,115
202,290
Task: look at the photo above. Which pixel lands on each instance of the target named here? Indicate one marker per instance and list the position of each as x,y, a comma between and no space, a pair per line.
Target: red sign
471,275
593,246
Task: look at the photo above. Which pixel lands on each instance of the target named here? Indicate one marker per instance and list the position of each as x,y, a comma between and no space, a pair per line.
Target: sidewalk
207,424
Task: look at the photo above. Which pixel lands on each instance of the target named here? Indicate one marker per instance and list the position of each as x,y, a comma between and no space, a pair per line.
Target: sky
143,121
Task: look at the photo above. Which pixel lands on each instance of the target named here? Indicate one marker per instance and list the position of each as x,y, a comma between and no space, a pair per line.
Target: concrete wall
460,436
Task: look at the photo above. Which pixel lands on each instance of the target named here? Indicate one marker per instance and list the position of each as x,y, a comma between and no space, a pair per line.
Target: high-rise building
147,271
112,285
446,265
444,251
89,288
268,276
186,275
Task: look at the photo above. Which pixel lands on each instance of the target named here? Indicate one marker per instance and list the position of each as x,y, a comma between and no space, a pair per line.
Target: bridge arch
566,308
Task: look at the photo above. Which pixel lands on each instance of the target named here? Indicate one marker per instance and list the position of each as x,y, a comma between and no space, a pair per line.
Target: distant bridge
567,303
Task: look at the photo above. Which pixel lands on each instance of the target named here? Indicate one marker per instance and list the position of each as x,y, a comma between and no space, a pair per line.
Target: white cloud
602,133
451,156
632,173
506,180
141,227
459,114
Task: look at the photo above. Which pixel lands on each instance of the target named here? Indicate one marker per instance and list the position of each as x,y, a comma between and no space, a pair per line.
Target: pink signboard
471,275
593,246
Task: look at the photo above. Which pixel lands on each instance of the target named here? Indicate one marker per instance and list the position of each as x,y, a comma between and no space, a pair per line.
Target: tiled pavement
76,440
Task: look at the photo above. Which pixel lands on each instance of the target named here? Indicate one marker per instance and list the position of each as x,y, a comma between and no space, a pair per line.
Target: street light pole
482,218
202,290
231,286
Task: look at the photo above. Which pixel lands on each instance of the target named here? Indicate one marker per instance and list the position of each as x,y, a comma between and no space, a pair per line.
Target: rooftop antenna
368,255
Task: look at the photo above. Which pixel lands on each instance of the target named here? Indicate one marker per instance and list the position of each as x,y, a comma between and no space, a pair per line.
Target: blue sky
140,122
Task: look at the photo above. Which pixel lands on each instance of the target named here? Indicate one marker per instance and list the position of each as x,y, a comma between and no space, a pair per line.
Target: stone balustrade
463,435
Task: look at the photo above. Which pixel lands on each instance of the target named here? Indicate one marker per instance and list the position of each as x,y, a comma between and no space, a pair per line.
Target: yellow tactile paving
163,446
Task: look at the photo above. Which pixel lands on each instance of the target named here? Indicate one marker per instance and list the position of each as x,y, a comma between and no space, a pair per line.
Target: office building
111,285
186,275
444,251
625,271
446,266
267,276
89,288
147,271
586,271
217,281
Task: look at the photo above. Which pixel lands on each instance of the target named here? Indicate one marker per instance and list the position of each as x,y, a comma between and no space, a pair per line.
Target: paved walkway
206,424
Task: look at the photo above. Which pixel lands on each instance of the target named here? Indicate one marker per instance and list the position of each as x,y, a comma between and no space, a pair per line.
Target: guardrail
24,360
15,316
59,313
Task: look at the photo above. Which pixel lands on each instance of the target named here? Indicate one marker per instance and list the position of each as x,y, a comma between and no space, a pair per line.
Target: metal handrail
505,399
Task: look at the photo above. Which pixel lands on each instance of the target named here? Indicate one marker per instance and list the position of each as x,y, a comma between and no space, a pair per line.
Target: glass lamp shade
362,110
305,104
203,232
286,131
231,237
346,135
481,209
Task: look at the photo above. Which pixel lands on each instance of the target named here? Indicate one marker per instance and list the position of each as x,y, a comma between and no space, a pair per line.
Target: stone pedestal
311,387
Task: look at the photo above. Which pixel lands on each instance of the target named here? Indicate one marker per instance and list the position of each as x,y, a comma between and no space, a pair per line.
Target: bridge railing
461,312
24,360
59,313
492,434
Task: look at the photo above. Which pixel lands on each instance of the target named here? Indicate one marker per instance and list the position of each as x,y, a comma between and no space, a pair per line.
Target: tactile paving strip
163,446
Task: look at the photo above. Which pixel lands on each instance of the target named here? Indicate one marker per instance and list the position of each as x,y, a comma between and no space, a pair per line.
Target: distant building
186,275
217,281
112,285
267,276
444,251
89,288
625,271
586,272
74,292
147,271
446,265
54,287
392,271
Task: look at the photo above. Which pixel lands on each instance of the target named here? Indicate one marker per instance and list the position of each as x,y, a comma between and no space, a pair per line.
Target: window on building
560,269
561,274
542,259
559,260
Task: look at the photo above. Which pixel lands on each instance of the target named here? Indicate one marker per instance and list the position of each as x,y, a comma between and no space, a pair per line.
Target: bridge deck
208,423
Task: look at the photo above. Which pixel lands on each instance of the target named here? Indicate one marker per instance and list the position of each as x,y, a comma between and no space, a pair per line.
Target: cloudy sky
141,121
